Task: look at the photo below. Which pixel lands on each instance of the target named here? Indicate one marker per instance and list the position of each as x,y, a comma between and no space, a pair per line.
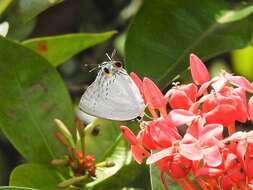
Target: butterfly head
109,68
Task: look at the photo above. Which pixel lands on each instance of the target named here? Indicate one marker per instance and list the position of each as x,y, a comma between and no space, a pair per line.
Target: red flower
182,97
215,162
138,151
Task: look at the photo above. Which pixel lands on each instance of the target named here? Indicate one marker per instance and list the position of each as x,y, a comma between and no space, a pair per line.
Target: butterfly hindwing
115,97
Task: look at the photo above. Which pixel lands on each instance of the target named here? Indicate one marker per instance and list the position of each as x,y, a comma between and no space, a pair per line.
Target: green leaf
131,175
100,137
35,176
22,16
16,188
57,49
32,94
164,33
28,9
119,155
103,141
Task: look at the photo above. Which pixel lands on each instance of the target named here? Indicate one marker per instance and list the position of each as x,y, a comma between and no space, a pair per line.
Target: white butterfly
113,95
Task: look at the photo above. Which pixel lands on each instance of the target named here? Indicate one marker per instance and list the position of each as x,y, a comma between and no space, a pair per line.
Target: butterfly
113,95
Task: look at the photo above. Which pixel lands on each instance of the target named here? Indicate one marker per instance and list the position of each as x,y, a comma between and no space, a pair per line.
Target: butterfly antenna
108,57
95,68
113,53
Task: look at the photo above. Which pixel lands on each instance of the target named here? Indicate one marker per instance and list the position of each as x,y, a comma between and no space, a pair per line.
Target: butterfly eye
118,64
107,71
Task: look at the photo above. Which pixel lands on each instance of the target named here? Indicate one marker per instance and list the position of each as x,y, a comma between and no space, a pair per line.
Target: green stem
71,181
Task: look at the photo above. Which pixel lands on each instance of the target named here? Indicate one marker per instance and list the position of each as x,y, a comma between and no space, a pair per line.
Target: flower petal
203,88
224,114
212,156
242,148
206,171
214,130
192,151
137,153
179,100
231,161
181,117
137,81
219,84
241,82
160,155
190,90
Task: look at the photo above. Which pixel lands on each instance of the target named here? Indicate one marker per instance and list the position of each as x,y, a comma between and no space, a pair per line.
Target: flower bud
199,71
128,135
64,131
153,95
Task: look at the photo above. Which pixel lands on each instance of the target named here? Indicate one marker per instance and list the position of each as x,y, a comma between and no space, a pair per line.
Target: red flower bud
153,95
128,135
199,71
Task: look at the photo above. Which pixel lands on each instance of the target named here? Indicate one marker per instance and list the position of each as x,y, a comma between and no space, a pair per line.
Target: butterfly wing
116,98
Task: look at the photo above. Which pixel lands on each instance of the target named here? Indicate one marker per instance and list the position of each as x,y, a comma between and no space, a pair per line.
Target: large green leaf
35,176
32,94
131,175
103,141
57,49
164,32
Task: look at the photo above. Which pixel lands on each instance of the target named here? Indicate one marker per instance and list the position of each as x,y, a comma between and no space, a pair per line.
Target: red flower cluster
209,108
85,163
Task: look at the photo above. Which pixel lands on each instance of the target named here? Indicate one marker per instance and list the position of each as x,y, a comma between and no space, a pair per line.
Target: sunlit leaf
57,49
